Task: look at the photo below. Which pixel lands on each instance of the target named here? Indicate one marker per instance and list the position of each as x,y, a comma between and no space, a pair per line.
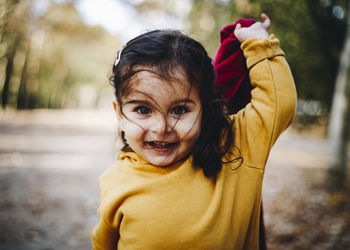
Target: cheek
191,129
132,130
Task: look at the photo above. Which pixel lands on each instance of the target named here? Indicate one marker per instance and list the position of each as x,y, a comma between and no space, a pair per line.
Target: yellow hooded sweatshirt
148,207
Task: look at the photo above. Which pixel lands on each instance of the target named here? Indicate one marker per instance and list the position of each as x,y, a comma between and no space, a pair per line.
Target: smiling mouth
161,145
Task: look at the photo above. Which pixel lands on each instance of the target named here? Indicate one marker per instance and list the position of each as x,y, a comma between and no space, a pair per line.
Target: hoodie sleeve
273,103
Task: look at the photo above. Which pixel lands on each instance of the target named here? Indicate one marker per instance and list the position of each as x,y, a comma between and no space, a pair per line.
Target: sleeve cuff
258,49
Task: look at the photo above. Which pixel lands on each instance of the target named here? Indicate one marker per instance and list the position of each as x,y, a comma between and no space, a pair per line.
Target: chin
166,161
162,163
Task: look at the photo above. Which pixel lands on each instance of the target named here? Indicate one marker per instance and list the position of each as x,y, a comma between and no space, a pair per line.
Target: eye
143,110
179,110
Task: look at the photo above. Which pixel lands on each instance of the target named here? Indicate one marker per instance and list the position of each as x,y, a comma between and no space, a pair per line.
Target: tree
10,40
340,113
51,58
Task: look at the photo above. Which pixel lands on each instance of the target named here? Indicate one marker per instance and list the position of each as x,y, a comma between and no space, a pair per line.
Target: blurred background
58,130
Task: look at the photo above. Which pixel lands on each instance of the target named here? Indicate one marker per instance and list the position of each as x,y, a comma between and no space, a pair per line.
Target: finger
238,26
267,22
236,31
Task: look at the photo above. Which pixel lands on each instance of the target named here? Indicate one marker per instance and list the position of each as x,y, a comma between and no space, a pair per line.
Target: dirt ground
49,167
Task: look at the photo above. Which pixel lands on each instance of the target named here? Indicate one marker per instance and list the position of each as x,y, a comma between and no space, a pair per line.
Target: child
189,177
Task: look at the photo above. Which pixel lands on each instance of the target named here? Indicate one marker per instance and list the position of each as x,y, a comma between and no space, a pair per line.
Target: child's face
161,119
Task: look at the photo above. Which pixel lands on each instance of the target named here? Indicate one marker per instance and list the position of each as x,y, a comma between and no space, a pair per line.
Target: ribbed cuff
258,49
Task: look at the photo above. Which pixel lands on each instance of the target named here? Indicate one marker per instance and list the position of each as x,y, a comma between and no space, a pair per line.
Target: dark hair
165,51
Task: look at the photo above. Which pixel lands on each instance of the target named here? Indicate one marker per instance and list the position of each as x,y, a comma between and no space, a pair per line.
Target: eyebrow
148,103
187,100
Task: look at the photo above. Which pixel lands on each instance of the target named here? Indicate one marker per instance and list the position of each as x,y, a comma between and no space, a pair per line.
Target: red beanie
230,67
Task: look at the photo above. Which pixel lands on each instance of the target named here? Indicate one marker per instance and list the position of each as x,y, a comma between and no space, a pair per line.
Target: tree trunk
22,90
338,129
6,87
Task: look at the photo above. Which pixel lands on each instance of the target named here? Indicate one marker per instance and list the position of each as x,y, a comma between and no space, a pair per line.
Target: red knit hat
230,66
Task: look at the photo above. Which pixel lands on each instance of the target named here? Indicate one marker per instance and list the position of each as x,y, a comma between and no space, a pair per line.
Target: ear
115,105
118,111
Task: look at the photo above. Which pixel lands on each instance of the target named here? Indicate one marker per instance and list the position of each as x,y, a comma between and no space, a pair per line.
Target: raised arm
272,107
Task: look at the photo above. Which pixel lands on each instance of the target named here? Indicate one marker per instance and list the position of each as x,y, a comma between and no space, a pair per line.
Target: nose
160,125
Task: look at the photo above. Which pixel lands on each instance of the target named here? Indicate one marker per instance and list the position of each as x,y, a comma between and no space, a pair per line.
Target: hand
257,30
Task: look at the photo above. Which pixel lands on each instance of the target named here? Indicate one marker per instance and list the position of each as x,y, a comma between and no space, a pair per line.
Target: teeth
161,143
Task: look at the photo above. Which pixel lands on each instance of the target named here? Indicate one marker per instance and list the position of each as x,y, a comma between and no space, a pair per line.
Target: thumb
238,26
266,21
